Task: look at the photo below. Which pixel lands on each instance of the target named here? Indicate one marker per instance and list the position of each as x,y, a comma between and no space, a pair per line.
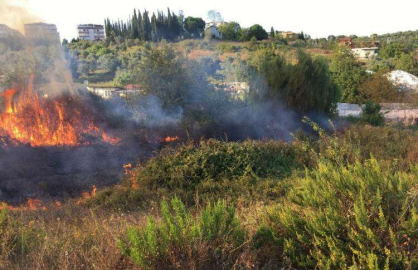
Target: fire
131,173
62,121
169,139
31,205
87,195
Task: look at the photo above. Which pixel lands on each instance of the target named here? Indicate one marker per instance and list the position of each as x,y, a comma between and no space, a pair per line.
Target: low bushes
211,170
179,240
358,215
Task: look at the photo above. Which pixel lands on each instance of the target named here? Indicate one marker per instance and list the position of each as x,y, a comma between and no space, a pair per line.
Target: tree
371,114
108,62
392,50
272,32
306,86
406,62
229,31
258,32
160,73
378,89
215,16
123,77
347,74
194,26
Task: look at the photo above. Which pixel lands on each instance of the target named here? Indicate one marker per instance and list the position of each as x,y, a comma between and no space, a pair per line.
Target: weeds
178,238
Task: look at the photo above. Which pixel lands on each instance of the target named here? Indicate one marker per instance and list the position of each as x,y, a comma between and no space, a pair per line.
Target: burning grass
65,120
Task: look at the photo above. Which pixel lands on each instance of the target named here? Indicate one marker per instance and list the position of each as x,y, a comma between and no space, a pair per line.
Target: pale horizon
316,18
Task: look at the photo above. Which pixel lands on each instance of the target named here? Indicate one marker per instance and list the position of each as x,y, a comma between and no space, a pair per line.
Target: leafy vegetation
215,235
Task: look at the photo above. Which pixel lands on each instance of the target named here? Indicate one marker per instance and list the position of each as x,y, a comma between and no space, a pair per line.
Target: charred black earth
59,173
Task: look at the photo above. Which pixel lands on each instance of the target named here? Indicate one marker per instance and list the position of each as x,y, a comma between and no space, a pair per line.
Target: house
42,32
109,92
212,30
365,53
289,35
91,32
346,42
105,92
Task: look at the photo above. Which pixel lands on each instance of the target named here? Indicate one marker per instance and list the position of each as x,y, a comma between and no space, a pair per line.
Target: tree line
146,27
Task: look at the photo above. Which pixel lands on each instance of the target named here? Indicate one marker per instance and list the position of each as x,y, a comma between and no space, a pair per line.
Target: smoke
151,114
14,13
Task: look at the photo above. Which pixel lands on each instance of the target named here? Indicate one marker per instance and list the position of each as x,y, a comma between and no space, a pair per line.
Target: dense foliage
146,27
214,235
306,85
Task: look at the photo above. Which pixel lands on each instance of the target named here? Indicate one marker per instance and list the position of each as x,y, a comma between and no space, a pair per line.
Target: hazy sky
319,18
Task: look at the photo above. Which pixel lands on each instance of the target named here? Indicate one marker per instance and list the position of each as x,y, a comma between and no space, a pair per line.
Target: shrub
358,215
217,168
179,238
371,114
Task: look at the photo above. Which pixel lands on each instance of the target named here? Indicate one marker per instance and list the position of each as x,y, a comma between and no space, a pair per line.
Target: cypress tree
154,28
134,24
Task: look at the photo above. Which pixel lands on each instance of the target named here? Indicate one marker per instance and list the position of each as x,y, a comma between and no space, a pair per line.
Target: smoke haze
14,13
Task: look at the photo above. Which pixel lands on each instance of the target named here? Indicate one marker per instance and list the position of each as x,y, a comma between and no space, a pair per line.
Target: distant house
91,32
105,92
289,35
212,29
365,53
108,92
42,32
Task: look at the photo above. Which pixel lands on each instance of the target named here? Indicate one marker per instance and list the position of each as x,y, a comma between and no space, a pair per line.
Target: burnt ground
59,173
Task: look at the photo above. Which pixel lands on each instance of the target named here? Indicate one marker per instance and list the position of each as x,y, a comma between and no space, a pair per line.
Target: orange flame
46,122
131,173
87,195
31,205
169,139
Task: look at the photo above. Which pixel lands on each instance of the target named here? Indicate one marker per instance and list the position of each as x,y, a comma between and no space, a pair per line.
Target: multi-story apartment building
41,33
92,32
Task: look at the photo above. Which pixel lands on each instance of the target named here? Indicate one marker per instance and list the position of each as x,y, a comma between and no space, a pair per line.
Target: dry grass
75,237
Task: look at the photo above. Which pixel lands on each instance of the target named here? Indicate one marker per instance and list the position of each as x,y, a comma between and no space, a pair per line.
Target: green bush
371,114
359,216
214,167
179,238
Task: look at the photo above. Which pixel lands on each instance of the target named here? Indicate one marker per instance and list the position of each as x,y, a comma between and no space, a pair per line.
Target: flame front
63,121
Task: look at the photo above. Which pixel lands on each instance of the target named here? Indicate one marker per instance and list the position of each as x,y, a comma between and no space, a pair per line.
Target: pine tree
134,23
154,28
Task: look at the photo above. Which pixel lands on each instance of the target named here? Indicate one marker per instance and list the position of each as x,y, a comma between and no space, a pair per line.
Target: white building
111,92
212,29
365,53
43,32
91,32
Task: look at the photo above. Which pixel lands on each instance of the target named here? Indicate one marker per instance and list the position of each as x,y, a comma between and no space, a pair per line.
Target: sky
319,18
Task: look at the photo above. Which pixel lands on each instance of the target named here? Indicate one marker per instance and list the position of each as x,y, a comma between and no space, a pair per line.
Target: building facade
365,53
91,32
42,33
